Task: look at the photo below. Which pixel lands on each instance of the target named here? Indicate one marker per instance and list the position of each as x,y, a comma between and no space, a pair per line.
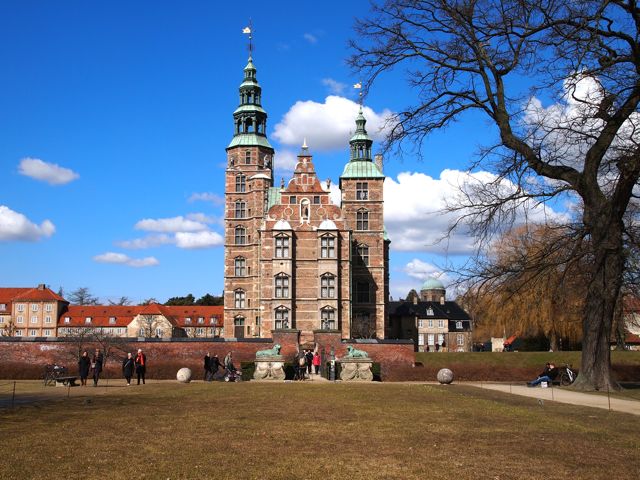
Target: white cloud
207,197
311,38
122,259
334,193
285,163
335,87
201,217
328,125
198,240
414,211
174,224
147,242
48,172
15,226
420,270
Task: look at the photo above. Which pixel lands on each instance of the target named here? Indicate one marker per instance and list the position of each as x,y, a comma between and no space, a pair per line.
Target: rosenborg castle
293,260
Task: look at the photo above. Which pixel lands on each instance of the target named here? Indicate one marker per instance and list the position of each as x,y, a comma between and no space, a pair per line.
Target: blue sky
133,102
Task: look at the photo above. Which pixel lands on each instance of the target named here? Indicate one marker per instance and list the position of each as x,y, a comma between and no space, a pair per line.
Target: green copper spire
360,142
250,119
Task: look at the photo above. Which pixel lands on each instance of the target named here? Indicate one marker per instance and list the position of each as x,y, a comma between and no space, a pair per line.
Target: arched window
241,236
241,209
305,213
281,317
327,246
282,286
362,219
328,319
240,265
241,183
362,252
282,246
328,286
239,297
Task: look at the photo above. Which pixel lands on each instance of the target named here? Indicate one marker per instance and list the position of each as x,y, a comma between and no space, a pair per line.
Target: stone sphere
445,376
184,375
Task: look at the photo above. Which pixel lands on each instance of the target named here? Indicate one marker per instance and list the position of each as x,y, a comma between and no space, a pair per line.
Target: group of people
95,364
307,362
211,367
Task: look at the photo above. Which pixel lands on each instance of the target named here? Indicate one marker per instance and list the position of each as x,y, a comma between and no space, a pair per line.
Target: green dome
432,284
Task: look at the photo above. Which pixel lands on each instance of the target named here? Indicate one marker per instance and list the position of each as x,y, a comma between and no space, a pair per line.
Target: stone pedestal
269,368
356,369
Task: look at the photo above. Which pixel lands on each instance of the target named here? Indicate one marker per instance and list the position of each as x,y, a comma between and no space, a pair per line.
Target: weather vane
249,30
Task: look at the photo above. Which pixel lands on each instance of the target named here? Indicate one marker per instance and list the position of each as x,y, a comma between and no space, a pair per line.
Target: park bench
58,375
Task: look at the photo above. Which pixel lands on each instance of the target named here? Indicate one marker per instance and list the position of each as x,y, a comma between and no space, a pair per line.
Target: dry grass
166,430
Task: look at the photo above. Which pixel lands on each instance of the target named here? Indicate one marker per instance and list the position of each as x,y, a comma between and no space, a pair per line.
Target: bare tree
82,296
8,329
496,58
121,301
149,323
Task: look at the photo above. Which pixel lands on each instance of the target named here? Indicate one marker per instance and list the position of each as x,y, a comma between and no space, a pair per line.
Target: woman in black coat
127,368
83,367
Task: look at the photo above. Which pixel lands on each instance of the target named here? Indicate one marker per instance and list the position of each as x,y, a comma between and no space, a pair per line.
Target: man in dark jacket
214,365
309,357
96,365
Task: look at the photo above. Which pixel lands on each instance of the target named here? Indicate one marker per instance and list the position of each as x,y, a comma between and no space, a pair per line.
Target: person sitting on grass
549,373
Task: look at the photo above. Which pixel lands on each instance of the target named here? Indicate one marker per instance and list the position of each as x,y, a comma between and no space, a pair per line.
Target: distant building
30,312
293,258
434,323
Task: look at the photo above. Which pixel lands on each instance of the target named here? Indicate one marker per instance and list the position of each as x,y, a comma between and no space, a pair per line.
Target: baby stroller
232,375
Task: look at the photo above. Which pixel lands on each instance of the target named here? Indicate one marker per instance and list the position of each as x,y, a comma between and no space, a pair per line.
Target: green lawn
166,430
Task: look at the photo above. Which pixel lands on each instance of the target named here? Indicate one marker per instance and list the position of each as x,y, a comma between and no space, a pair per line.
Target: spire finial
249,30
304,144
358,86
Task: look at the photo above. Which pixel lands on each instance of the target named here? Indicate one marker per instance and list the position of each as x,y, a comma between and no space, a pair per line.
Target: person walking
84,365
96,364
309,357
127,368
141,365
316,362
214,365
207,367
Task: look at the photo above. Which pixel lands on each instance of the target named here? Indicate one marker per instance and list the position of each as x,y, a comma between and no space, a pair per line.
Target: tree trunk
602,295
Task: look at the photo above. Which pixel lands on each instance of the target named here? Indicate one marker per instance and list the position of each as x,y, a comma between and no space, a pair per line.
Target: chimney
378,160
41,286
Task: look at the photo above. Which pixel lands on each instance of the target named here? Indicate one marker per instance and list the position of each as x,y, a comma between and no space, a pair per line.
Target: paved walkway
596,400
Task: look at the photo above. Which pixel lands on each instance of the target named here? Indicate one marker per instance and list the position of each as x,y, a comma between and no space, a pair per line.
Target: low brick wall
26,358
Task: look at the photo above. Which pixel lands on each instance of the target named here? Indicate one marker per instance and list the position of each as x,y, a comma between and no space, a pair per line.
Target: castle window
282,246
34,319
362,190
293,199
304,211
19,319
241,183
241,236
241,209
362,252
112,320
362,220
247,154
327,247
240,264
48,307
316,199
328,319
430,322
430,313
440,323
363,294
282,286
187,320
281,318
460,339
458,325
239,296
34,307
20,307
328,286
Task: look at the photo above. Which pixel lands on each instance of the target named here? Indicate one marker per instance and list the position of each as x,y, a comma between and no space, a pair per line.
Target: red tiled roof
176,315
8,295
181,312
100,315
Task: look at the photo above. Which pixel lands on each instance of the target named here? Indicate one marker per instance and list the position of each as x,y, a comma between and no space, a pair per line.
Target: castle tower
361,184
248,178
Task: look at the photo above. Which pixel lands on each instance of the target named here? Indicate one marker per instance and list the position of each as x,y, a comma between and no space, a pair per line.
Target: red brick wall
26,359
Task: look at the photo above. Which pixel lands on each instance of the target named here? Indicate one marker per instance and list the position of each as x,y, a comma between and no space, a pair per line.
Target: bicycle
567,375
